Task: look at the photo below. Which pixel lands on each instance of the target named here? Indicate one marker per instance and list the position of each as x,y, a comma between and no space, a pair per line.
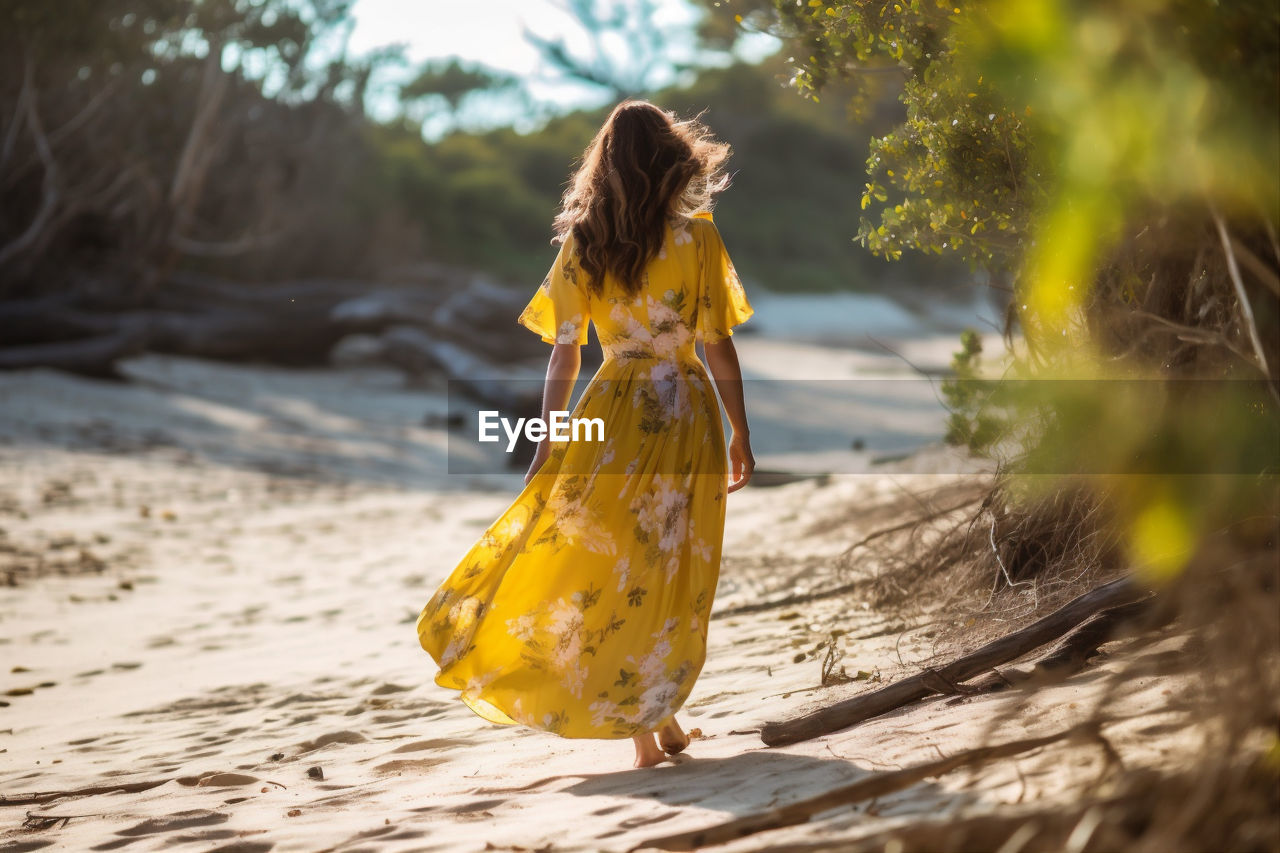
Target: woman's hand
741,462
540,457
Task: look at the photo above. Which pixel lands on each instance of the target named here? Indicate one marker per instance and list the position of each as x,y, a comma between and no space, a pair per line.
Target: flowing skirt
583,609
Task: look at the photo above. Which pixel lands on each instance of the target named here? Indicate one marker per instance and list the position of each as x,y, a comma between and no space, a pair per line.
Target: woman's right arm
722,359
562,373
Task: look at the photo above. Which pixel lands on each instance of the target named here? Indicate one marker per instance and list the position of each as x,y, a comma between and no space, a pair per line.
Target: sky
491,32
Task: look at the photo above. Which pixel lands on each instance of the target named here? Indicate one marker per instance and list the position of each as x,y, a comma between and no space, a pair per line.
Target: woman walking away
583,609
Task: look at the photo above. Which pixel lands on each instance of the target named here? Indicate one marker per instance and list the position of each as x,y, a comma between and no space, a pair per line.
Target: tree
1115,164
170,130
451,85
629,54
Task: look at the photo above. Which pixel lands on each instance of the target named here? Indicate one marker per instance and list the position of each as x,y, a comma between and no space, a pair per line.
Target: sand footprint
436,743
346,736
226,780
389,688
407,765
172,822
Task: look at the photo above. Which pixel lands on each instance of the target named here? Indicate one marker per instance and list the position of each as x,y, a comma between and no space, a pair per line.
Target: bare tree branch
66,129
558,55
1246,309
1271,236
49,188
86,112
198,150
11,135
1265,274
626,75
1192,335
228,249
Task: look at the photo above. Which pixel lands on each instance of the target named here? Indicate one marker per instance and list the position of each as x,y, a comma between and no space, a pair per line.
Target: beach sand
214,576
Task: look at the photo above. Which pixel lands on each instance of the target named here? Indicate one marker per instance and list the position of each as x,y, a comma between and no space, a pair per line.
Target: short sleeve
722,302
560,309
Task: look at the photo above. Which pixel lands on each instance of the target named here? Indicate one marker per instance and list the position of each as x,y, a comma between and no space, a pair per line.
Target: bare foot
672,738
647,752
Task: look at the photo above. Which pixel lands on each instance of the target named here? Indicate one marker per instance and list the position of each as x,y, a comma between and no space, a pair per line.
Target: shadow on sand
741,784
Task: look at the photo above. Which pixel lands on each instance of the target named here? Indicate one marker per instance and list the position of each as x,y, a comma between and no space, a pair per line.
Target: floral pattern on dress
583,609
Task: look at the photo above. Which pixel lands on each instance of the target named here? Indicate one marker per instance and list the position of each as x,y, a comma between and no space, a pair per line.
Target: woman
583,610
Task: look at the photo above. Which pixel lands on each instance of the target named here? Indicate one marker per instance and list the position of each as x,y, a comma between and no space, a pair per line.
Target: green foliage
972,421
483,200
1172,104
1116,163
786,218
452,82
957,175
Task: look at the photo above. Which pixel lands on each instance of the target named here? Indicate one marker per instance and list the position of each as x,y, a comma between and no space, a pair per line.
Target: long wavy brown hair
643,167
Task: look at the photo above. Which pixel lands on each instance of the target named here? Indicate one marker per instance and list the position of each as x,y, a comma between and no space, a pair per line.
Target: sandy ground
215,573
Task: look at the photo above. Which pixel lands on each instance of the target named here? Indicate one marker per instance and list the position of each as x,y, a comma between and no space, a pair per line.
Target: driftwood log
287,324
94,356
452,323
513,391
947,679
1070,654
870,787
81,341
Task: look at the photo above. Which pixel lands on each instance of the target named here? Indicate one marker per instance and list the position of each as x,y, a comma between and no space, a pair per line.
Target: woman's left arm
562,373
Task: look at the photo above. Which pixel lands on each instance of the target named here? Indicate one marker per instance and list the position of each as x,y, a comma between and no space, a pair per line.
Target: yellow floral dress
583,609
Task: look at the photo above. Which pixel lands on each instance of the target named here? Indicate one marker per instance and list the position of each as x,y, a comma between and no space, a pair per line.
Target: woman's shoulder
700,226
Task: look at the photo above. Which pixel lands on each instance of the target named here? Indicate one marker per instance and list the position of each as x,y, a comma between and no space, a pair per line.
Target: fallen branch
37,822
870,787
95,356
512,391
1069,655
41,797
946,679
296,323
